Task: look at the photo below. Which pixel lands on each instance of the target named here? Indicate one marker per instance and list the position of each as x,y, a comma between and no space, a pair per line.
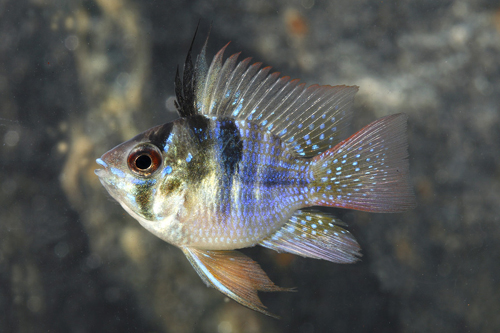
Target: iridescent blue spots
168,142
148,182
237,110
117,172
189,157
166,170
101,162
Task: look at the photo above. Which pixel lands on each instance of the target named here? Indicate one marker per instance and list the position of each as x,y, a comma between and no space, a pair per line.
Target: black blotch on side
184,89
200,127
231,148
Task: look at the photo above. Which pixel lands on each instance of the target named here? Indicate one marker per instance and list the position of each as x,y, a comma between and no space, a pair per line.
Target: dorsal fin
185,88
310,120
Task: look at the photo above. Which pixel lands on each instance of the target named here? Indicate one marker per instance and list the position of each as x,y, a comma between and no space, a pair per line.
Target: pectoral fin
234,275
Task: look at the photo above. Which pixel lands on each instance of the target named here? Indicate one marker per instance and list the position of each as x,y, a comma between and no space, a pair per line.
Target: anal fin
315,235
233,274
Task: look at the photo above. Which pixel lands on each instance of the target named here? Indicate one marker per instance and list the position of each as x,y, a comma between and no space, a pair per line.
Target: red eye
144,160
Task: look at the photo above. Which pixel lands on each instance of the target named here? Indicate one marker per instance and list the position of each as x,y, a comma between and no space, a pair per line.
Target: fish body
233,182
240,167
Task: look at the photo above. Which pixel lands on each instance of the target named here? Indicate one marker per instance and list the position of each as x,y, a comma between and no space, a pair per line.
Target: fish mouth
100,172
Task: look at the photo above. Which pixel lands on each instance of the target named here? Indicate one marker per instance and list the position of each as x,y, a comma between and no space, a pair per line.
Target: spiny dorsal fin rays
201,69
228,94
233,274
224,75
228,73
206,94
184,90
252,77
315,235
316,116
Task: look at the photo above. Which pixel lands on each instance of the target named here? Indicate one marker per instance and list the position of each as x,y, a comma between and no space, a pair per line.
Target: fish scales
251,153
254,193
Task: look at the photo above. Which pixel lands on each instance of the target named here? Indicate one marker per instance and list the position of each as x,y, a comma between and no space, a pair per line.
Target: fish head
140,176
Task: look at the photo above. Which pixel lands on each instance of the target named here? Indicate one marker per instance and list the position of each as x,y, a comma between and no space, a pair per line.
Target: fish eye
144,160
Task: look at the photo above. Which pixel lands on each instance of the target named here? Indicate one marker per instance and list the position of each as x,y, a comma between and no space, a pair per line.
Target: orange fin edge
233,274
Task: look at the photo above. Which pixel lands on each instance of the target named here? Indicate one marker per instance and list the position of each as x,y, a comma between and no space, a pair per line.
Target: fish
246,163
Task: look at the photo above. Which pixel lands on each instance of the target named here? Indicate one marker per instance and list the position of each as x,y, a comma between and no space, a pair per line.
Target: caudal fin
368,171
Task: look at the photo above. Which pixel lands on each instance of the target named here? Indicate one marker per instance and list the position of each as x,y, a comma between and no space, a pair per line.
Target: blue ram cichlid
249,153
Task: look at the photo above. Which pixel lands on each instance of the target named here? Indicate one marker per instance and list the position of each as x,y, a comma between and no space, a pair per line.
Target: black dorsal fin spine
184,89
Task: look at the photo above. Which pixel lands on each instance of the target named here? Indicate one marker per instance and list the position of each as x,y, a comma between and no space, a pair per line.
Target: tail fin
368,171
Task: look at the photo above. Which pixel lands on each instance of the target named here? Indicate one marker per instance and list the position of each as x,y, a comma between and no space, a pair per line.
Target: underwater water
79,77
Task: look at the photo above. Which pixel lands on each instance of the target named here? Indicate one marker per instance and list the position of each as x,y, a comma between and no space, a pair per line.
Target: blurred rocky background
78,77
